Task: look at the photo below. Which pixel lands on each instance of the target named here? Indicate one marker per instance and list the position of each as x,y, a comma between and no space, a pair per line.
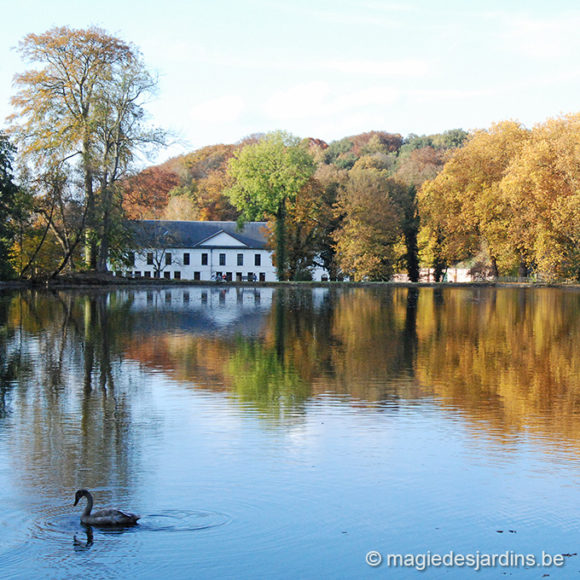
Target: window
240,259
150,258
257,260
262,276
229,276
131,258
168,259
238,276
147,274
177,275
250,276
186,259
137,274
167,275
222,259
197,275
204,259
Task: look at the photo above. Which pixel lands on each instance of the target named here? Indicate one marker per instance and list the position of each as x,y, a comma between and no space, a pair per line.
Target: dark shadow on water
86,543
85,536
82,544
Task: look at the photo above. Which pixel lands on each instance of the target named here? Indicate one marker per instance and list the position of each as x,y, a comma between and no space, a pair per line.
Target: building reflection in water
71,363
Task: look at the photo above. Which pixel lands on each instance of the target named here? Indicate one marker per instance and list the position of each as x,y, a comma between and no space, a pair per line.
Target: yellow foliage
366,239
513,192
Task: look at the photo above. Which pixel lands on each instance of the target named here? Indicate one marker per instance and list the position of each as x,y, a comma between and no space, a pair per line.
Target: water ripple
63,525
183,521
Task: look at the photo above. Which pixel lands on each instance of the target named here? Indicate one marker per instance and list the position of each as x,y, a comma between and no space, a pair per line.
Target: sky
328,68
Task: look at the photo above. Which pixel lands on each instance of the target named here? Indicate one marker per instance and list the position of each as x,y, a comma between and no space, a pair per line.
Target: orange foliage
146,194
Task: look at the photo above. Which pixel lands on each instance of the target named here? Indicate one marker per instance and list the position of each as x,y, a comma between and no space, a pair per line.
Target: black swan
108,517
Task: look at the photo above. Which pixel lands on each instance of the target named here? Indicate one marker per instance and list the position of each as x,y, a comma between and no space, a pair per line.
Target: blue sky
329,69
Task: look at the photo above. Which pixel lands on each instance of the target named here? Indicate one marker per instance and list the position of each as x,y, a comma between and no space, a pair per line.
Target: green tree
267,177
306,227
8,206
81,115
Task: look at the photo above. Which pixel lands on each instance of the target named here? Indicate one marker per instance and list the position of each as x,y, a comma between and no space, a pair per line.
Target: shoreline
82,281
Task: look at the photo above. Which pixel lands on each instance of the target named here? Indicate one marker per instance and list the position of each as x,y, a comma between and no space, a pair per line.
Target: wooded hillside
504,200
359,202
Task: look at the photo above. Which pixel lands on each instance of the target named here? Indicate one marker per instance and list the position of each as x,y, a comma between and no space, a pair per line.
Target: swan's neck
89,506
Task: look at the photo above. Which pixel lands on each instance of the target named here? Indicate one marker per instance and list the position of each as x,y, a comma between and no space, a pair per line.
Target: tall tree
366,239
542,187
267,176
8,205
463,209
332,180
81,115
307,222
413,168
420,159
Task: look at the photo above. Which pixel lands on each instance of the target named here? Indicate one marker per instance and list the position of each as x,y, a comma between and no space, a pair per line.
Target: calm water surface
285,434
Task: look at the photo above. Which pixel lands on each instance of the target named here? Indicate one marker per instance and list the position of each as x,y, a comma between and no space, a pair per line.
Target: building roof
190,234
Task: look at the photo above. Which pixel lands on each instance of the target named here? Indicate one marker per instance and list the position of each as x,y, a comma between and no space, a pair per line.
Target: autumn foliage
512,193
146,195
504,200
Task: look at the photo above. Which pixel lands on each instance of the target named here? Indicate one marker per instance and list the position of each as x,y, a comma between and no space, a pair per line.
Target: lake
283,433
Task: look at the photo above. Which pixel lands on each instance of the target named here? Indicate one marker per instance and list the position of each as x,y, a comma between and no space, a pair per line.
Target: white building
205,251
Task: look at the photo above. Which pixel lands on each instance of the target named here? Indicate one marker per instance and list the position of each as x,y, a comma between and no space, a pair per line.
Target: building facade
204,251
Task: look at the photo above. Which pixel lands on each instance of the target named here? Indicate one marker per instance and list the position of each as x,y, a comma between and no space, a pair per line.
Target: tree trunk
38,246
73,245
522,269
439,265
412,256
67,257
91,219
106,232
281,241
411,231
494,268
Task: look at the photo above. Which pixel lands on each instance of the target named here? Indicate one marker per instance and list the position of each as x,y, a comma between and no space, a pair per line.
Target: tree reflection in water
504,358
63,367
